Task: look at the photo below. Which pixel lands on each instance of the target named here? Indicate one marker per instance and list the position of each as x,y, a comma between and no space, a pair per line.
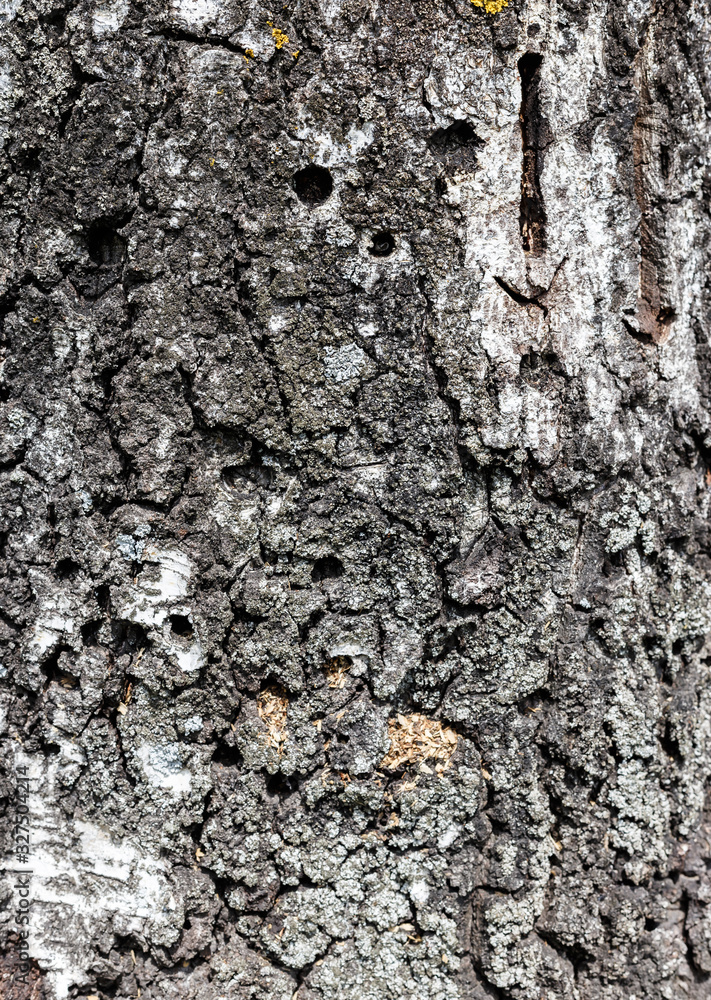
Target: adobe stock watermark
22,873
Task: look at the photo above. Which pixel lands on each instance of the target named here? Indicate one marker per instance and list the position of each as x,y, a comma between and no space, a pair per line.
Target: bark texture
355,483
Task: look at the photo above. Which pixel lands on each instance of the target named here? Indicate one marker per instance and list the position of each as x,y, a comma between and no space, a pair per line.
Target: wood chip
415,739
272,705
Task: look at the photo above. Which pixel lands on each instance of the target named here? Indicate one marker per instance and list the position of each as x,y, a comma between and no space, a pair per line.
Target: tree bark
356,465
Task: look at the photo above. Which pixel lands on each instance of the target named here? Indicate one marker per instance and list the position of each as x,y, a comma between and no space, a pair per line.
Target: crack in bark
533,127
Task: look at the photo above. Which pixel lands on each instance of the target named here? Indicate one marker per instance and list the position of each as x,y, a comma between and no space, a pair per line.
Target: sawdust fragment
415,739
336,669
271,706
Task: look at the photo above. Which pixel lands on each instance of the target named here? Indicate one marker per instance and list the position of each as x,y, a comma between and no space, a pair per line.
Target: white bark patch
9,9
55,619
329,150
541,426
163,768
344,364
159,589
109,18
83,878
196,14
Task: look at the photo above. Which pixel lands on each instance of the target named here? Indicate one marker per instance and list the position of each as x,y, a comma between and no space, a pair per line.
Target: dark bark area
354,474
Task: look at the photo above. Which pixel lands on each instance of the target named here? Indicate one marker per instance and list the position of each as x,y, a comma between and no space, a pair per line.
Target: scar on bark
655,309
533,214
519,297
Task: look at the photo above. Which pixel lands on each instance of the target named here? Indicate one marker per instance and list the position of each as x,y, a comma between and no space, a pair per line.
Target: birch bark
356,465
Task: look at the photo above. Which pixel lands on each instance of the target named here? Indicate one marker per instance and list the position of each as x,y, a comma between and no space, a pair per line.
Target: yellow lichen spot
280,39
491,6
269,24
212,163
272,705
296,54
249,54
415,739
35,319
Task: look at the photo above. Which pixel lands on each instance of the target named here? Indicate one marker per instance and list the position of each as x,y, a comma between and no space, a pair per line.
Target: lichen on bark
355,483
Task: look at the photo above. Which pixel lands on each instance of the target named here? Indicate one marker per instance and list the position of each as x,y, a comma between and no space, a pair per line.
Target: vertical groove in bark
533,213
652,165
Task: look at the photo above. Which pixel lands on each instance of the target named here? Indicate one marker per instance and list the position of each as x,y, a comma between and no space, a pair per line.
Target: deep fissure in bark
533,214
652,170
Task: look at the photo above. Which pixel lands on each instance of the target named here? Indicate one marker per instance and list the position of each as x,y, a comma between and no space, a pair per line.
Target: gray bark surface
355,478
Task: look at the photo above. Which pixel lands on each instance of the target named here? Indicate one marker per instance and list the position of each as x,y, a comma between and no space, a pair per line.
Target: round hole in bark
66,569
104,245
457,135
313,185
383,245
247,476
327,568
180,625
